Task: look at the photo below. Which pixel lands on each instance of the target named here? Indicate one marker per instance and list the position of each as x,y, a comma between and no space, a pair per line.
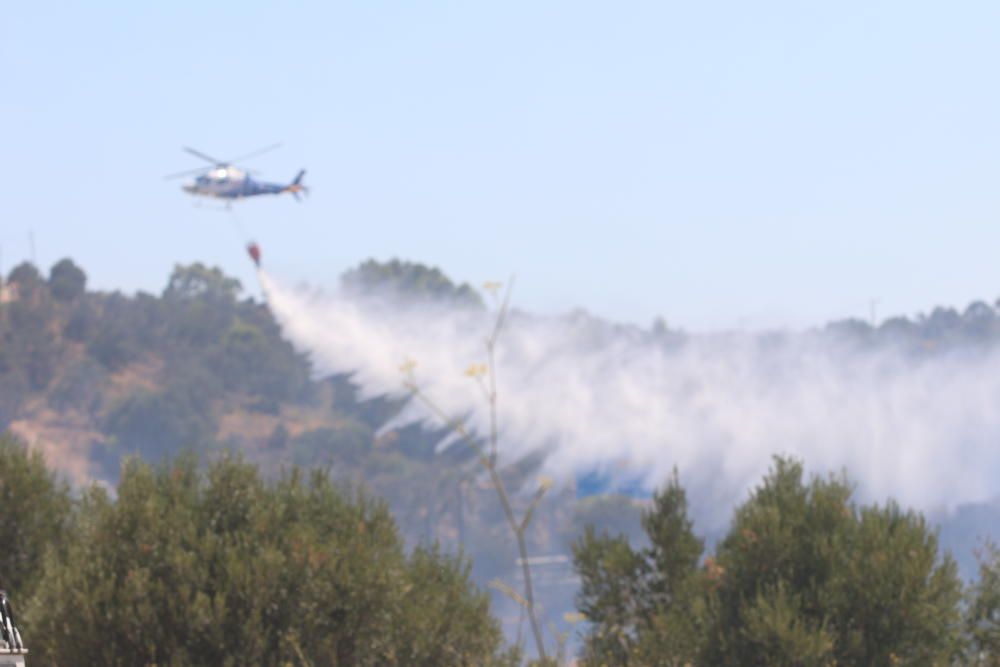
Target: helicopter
223,180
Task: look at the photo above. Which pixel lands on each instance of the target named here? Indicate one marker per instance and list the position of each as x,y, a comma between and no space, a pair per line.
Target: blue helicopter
223,180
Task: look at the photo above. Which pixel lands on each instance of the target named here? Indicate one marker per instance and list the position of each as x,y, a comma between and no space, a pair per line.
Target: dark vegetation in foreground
804,577
212,565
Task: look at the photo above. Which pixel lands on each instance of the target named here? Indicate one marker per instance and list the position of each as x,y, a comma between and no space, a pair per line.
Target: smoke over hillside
922,429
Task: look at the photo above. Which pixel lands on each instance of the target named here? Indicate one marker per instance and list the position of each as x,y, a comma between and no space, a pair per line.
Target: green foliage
607,513
35,514
13,388
347,445
642,603
113,347
28,348
26,276
872,576
200,304
158,424
611,595
67,281
197,281
802,578
238,341
982,617
940,330
783,635
409,281
219,568
252,360
117,329
82,322
79,388
674,550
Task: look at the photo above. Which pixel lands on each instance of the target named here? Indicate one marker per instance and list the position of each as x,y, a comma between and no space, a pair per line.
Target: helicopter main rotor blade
187,172
207,158
259,151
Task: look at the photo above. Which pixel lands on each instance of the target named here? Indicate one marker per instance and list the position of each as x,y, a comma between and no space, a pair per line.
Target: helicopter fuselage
232,183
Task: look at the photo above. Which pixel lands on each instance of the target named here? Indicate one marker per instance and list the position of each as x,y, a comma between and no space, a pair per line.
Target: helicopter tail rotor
296,186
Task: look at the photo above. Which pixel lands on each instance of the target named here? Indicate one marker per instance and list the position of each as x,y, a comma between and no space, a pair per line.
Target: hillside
94,376
91,377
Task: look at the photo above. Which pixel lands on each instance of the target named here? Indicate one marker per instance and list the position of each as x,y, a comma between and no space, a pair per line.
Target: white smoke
923,431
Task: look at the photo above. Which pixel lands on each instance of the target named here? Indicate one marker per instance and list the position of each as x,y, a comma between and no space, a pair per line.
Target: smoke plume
627,403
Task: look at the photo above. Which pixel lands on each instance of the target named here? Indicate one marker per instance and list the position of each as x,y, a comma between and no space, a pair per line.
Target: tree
809,576
345,446
609,512
254,360
13,388
642,603
409,280
803,577
197,280
219,568
982,615
202,304
79,388
161,423
36,507
67,281
26,276
28,346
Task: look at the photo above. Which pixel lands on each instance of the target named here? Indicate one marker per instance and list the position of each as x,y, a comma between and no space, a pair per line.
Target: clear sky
717,163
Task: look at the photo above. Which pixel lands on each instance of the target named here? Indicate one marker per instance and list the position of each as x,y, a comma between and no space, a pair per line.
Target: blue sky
717,163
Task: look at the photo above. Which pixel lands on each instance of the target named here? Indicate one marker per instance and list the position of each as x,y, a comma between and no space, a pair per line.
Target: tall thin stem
508,511
492,396
488,459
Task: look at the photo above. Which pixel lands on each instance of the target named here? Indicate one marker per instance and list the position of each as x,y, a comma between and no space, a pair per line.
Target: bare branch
534,504
501,586
501,314
489,461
